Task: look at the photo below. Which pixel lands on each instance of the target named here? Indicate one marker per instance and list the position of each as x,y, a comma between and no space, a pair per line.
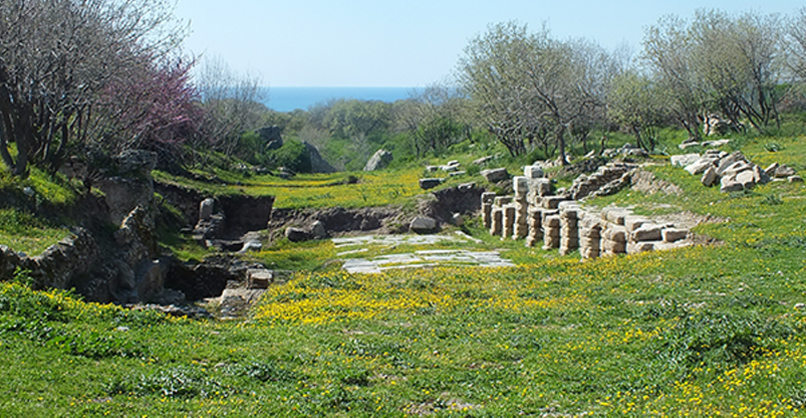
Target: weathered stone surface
318,163
502,201
674,234
699,166
488,197
784,171
632,222
206,208
647,232
123,194
709,177
495,175
380,160
728,161
423,224
318,230
149,279
295,234
684,160
427,184
795,179
770,171
497,224
760,175
458,219
747,179
521,185
615,233
640,247
259,278
533,172
730,185
540,187
614,215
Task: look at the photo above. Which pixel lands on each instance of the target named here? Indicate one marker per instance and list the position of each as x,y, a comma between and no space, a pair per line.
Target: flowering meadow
717,329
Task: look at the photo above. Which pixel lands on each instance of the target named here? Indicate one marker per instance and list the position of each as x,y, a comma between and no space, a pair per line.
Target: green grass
698,331
26,233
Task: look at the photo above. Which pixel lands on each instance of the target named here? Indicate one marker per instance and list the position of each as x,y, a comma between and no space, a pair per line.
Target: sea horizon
287,99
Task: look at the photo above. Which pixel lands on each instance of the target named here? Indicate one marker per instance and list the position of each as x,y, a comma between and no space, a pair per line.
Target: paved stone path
418,259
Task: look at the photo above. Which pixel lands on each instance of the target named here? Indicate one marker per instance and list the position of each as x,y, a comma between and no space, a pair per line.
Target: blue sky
351,43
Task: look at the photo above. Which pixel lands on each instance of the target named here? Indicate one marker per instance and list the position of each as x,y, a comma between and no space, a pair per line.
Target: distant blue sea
286,99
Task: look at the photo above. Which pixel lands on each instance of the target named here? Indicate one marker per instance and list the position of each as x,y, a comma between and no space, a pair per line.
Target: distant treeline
95,78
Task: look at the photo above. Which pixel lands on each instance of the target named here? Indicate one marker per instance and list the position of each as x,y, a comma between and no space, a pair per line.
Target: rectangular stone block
615,233
533,172
614,215
613,247
590,243
633,222
674,234
647,232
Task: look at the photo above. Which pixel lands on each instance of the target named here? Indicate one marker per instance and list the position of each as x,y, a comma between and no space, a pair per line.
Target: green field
716,330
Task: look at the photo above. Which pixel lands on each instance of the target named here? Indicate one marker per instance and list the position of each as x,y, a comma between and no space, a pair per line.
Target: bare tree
530,87
56,56
231,105
667,51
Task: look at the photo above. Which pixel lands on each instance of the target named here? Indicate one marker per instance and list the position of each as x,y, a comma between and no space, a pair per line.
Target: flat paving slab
418,259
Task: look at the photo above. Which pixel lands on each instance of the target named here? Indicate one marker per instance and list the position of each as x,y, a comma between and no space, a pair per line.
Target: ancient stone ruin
559,221
733,172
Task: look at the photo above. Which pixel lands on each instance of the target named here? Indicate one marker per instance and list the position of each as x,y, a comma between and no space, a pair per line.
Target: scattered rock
699,166
318,230
684,160
380,160
423,224
709,177
495,175
295,234
783,172
426,184
483,160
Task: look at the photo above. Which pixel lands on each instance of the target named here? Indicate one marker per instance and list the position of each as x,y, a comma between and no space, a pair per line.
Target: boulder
729,184
495,175
379,160
426,184
458,220
206,208
747,179
423,224
709,177
295,234
318,230
318,163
